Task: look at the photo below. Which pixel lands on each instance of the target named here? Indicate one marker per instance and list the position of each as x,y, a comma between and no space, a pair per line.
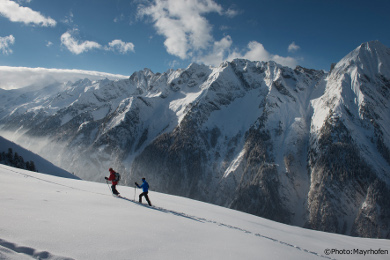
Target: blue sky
123,36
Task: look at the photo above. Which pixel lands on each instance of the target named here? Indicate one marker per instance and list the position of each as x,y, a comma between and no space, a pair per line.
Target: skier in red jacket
114,182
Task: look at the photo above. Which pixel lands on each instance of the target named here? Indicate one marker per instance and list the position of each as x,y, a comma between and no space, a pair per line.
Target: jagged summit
195,67
371,57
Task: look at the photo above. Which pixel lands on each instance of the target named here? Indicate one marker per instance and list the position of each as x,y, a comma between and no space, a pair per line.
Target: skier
114,182
145,189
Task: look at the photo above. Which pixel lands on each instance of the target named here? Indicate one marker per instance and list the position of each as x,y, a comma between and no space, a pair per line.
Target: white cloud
75,47
174,63
218,54
16,13
5,43
293,47
231,12
257,52
181,23
119,45
188,33
119,18
17,77
68,18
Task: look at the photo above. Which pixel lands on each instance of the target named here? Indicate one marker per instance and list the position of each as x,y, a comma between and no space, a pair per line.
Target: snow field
49,217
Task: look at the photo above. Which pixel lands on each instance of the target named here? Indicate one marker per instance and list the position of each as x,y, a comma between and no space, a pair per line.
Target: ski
134,201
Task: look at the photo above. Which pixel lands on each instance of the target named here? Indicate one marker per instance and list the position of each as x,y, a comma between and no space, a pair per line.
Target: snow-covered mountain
299,146
47,217
349,156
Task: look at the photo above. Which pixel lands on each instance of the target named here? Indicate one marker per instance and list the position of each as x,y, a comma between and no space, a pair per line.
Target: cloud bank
18,77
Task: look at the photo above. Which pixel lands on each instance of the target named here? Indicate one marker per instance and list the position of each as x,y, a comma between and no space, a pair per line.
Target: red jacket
112,177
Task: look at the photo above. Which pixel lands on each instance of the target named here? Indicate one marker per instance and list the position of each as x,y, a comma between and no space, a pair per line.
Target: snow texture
48,217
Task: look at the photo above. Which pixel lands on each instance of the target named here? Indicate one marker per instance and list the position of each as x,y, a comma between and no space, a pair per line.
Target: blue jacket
144,186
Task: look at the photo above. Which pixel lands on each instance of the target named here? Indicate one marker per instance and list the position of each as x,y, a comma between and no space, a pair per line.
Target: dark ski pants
114,191
145,194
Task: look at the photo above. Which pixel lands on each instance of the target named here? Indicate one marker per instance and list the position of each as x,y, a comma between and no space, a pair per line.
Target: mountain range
299,146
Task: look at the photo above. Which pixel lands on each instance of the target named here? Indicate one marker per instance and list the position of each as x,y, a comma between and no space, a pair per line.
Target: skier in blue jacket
145,189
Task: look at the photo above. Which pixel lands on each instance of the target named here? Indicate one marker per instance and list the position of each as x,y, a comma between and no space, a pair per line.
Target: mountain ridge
254,136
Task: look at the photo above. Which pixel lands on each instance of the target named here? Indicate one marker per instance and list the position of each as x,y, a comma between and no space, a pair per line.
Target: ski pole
108,186
135,191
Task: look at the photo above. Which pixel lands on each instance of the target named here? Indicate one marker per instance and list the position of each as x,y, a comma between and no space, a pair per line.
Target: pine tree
15,160
32,166
10,155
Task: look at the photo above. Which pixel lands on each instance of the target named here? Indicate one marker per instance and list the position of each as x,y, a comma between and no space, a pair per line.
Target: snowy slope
41,164
47,217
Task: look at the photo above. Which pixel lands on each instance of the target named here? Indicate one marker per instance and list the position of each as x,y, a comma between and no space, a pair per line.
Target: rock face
299,146
349,146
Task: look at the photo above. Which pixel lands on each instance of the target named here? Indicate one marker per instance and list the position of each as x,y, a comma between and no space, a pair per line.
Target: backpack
117,177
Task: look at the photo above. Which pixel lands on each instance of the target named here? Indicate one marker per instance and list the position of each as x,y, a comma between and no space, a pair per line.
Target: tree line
15,160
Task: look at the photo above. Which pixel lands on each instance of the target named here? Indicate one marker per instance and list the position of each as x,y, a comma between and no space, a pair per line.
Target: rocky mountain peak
371,57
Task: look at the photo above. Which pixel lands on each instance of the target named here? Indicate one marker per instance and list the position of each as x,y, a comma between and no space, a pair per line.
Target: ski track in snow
52,182
46,255
13,249
203,220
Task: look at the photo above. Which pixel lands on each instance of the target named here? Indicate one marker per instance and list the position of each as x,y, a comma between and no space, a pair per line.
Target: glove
136,184
106,178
